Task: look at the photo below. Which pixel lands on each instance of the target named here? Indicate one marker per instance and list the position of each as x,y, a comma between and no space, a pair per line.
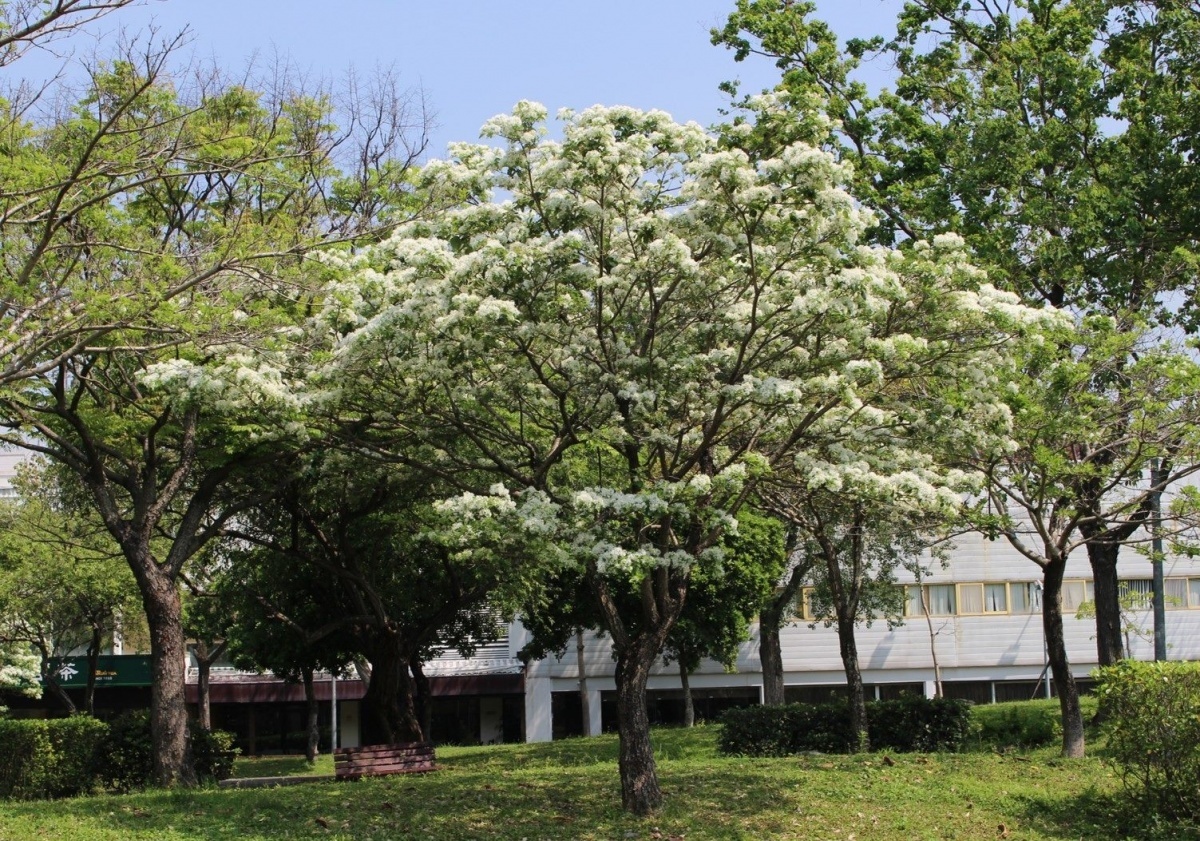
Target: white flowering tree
630,327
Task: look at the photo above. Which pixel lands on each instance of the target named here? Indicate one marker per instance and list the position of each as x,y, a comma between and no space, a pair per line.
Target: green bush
1153,726
917,724
780,731
907,724
1019,724
49,758
129,753
213,752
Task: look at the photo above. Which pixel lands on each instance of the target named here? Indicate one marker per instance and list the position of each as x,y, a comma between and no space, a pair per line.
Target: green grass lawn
569,790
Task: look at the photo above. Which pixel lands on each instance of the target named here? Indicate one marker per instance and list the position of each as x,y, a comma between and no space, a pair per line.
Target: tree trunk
311,744
770,653
424,697
51,683
203,687
854,683
1110,645
1060,667
585,703
389,713
640,792
168,661
93,658
689,708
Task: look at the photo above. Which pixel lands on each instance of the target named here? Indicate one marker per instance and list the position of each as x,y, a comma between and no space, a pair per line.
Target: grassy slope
569,790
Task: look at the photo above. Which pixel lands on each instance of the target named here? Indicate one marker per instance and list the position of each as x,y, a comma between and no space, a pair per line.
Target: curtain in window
1175,592
941,599
1026,597
970,598
995,598
1074,593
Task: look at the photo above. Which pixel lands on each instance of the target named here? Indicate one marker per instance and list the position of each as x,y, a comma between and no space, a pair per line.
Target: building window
1026,596
1175,593
940,598
1075,593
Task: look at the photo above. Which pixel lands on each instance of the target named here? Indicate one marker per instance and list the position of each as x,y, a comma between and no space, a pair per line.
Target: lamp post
1156,550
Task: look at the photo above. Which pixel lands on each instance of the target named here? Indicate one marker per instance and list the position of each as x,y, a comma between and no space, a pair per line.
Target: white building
986,627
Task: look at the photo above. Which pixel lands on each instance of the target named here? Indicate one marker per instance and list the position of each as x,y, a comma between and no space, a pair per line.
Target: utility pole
1156,550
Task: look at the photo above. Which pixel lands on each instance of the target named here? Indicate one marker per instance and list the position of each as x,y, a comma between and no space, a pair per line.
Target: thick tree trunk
1110,644
854,683
689,708
1060,666
640,792
389,712
770,653
51,683
168,662
312,742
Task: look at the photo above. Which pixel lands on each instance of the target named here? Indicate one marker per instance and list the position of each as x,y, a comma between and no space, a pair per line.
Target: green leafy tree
1057,137
63,585
722,602
153,238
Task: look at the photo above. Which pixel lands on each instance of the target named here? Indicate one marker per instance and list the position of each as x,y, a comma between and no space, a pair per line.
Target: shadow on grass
1096,814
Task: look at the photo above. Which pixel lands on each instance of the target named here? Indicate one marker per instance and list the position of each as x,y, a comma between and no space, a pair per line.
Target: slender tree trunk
93,658
424,696
389,712
204,690
51,683
1060,667
312,742
1110,645
848,646
640,792
770,654
585,703
689,708
168,662
937,667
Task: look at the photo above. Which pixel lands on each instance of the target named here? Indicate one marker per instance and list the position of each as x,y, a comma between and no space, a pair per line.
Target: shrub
925,725
1153,726
907,724
128,752
213,752
129,762
49,758
1019,724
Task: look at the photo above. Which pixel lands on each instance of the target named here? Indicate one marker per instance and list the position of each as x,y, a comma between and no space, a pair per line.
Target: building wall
990,647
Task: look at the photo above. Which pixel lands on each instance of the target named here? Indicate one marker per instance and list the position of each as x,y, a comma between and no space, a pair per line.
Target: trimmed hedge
45,758
906,724
63,757
1153,725
1019,724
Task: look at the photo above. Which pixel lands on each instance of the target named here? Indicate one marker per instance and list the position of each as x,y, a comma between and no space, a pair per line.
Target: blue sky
476,58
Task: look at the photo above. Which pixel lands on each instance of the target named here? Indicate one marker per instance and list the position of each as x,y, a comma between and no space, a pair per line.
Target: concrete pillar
592,727
539,723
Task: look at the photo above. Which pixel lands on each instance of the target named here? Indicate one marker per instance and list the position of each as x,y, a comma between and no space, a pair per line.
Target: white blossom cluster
696,314
19,671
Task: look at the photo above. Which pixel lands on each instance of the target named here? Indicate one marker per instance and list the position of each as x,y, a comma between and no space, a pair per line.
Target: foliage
213,753
722,602
20,670
1153,725
651,320
906,724
1057,138
1020,724
49,757
128,752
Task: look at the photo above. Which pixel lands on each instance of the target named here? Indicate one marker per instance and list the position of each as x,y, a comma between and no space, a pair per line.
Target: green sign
111,670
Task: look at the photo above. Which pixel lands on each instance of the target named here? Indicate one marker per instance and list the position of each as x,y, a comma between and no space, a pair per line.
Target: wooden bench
380,760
